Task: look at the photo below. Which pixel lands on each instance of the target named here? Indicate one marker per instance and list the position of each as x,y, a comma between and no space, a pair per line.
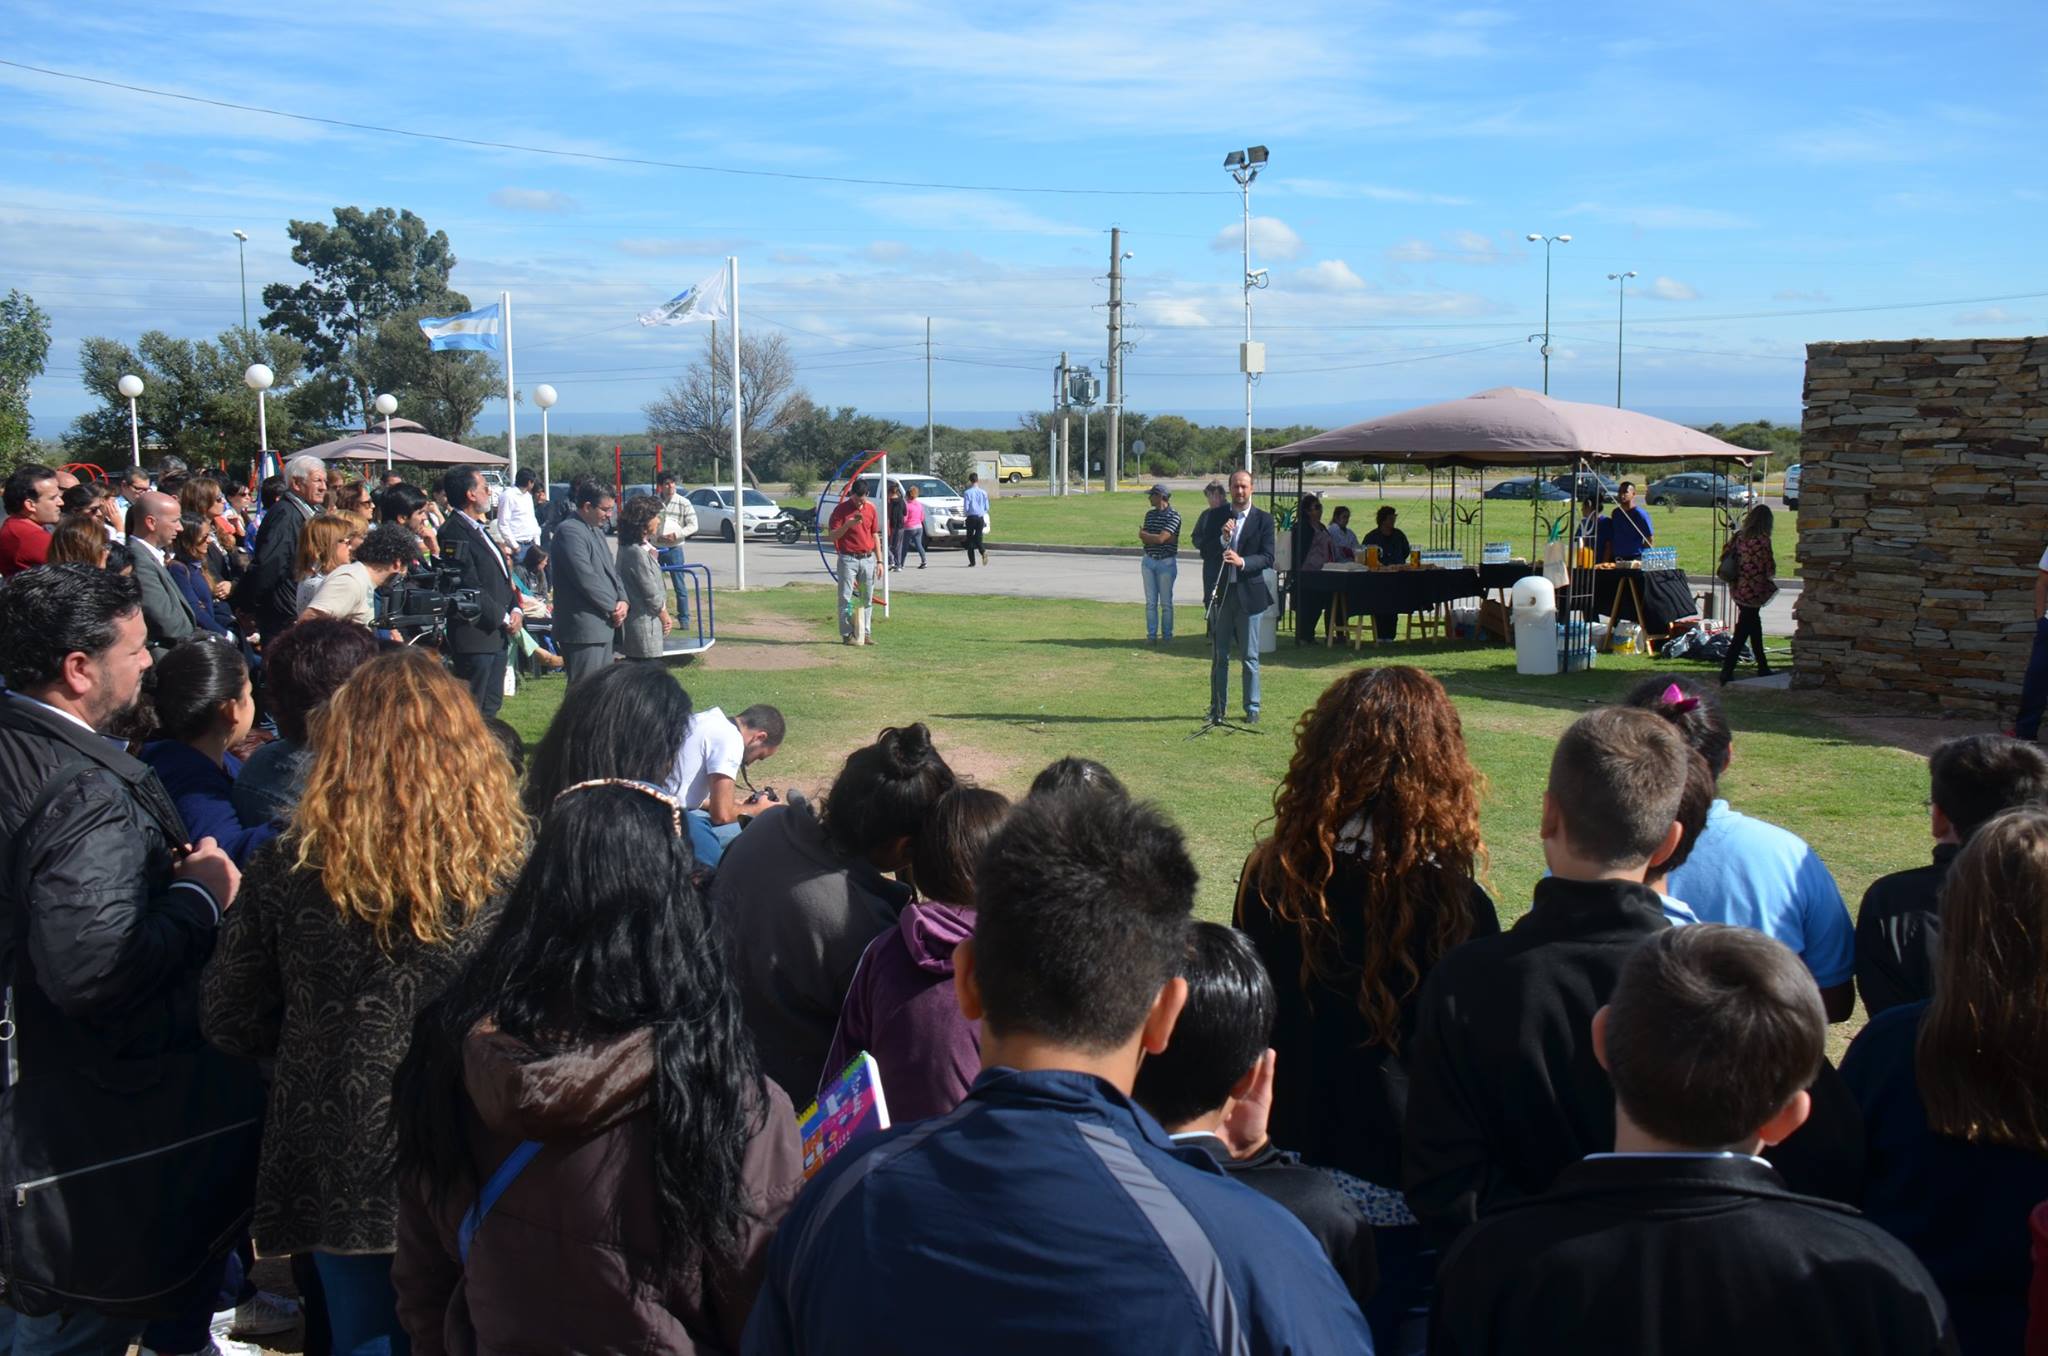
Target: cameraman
476,649
387,551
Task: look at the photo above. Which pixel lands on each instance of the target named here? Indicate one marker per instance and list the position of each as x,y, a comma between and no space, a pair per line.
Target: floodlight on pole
387,405
1548,241
259,379
545,397
242,250
131,386
1244,167
1620,281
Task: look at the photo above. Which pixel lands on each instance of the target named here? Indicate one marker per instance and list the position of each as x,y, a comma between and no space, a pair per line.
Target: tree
955,465
193,403
694,416
825,439
442,392
24,348
367,266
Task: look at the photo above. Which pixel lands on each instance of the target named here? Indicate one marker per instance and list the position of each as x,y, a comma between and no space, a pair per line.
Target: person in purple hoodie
901,1008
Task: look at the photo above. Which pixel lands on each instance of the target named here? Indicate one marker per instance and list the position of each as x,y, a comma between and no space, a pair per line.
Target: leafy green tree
24,348
193,403
366,267
824,439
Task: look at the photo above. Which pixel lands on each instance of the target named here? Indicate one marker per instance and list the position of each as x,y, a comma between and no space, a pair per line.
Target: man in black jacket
269,589
1242,596
1211,1087
1682,1239
1898,929
106,915
477,650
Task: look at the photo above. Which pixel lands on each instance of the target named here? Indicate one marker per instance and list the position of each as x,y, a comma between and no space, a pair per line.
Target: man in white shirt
387,550
516,518
676,525
713,752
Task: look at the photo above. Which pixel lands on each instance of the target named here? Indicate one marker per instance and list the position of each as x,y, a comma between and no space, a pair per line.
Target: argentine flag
471,329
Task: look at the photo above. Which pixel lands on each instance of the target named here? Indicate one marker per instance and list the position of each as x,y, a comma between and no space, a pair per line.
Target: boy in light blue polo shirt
1750,873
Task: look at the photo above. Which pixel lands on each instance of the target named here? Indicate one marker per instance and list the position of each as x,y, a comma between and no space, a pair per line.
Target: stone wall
1923,513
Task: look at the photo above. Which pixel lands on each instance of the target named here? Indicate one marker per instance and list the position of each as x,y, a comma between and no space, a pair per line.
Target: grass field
1112,520
1008,685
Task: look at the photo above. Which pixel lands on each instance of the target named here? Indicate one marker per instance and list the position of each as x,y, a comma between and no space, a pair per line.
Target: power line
641,161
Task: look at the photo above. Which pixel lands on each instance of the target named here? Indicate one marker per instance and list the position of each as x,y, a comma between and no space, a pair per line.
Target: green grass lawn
1008,685
1112,520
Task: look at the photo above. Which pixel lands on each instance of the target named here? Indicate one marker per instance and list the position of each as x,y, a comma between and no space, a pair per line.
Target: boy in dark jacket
1682,1239
1048,1212
1213,1083
1503,1087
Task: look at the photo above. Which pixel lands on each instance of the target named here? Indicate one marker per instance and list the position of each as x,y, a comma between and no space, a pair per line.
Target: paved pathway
1037,574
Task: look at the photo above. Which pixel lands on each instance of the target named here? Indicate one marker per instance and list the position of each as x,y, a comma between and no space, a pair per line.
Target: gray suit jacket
587,584
641,637
164,609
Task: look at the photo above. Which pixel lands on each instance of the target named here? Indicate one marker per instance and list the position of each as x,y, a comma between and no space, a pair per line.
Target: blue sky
1749,161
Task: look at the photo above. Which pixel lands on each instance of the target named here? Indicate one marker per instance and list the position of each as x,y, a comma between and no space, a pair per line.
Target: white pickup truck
944,519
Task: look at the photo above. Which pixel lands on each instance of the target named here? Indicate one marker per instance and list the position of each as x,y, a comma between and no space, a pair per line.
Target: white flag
708,300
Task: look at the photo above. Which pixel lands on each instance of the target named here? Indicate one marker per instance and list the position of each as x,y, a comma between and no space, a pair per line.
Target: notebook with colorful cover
850,1107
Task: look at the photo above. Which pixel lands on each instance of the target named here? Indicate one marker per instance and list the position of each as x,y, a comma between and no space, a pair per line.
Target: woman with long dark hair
1756,583
360,915
598,1023
1369,876
627,721
1955,1104
204,707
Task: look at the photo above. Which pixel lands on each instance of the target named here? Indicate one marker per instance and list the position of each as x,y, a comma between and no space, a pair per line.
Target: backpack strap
507,1173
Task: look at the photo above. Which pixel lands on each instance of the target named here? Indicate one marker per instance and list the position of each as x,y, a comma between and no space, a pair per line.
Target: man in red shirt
856,531
34,500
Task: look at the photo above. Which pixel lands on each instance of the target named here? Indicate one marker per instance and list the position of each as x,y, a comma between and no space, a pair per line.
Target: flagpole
882,512
739,479
511,418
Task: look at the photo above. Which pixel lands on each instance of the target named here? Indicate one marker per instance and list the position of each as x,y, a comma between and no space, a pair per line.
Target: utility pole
1066,444
931,458
1113,463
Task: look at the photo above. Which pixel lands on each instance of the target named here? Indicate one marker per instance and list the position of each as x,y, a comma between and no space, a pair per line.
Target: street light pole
131,386
1620,281
1244,167
259,379
387,405
242,249
1548,241
545,397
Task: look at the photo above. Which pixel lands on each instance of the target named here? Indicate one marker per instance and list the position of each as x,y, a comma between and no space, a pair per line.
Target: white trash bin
1534,615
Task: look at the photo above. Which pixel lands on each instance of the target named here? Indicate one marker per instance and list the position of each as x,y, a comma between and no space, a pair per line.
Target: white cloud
533,200
1459,247
1663,217
1988,315
957,211
1272,238
1330,275
1671,289
671,248
1333,188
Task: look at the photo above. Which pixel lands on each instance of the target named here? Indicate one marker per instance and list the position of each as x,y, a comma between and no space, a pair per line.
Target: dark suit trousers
582,661
485,676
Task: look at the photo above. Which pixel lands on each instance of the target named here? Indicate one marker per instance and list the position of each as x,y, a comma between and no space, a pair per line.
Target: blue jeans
85,1333
2034,690
1233,626
709,841
362,1305
673,555
1160,572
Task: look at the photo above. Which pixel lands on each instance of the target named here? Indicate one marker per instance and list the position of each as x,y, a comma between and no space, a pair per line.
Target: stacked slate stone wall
1923,513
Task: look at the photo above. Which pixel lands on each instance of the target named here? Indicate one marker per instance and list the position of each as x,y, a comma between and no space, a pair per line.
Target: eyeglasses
675,807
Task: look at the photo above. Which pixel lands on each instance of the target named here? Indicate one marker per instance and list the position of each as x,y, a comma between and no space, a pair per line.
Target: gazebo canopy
1508,426
409,443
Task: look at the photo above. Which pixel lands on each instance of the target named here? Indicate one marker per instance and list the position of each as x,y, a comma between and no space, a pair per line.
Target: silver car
1699,489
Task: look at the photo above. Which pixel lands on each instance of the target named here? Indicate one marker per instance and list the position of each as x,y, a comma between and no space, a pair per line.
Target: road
1038,574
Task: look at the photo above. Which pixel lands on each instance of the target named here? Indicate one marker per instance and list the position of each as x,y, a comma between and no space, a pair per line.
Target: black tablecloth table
1666,597
1395,591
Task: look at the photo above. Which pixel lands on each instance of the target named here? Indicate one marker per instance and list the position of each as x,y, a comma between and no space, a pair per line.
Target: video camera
428,596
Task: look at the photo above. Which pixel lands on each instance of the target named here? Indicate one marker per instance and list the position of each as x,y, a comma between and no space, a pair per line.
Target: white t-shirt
345,594
713,747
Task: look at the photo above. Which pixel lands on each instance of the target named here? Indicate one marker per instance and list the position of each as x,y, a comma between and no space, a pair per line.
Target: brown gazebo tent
410,444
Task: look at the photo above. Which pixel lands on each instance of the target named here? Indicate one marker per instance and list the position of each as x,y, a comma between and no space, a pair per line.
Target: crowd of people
504,1049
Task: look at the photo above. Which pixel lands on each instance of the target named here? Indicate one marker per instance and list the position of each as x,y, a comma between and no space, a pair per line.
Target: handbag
121,1181
1730,568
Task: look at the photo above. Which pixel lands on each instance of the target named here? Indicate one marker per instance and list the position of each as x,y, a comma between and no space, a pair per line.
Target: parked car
1528,487
944,519
1699,489
763,518
1792,486
1593,488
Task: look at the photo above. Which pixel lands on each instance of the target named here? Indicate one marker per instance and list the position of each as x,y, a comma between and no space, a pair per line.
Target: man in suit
152,527
269,589
1246,535
590,602
476,650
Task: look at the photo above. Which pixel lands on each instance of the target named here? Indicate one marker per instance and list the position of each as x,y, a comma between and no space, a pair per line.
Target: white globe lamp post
259,378
545,397
131,386
387,405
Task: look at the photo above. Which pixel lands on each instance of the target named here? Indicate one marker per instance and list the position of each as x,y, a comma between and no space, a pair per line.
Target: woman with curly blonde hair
1369,876
380,891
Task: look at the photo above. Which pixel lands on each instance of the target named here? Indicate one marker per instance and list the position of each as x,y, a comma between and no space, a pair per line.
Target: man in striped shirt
1161,537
